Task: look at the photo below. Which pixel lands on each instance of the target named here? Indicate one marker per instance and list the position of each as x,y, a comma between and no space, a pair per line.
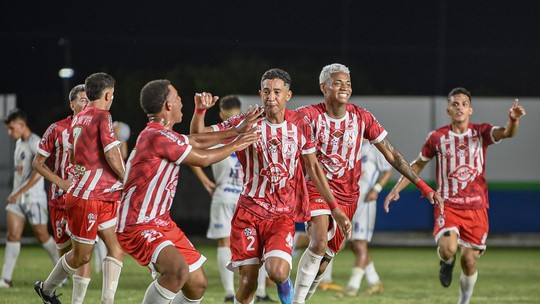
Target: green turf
409,276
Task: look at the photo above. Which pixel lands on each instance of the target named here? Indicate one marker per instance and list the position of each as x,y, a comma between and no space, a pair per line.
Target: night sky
392,47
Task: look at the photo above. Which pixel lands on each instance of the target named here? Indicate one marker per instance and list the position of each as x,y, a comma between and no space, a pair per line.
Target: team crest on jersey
289,147
333,163
171,187
462,150
273,143
91,217
249,231
464,173
275,173
349,137
289,239
336,137
440,220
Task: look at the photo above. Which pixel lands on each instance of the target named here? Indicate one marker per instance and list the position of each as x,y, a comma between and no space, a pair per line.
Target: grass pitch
410,275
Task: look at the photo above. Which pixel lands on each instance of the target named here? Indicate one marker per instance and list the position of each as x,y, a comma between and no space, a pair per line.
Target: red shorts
254,239
58,216
471,225
86,217
144,243
319,207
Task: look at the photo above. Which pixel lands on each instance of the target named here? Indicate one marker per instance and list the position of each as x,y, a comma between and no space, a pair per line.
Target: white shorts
35,211
363,221
221,215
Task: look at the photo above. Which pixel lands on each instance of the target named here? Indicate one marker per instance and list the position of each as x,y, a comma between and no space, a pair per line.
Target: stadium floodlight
66,73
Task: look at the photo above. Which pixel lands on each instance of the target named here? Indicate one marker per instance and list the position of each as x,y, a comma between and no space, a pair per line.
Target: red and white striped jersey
92,135
54,146
274,182
460,169
151,177
339,145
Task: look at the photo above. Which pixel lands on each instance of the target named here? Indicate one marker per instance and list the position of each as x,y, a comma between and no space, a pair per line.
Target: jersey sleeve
374,132
486,130
428,149
106,131
46,144
172,146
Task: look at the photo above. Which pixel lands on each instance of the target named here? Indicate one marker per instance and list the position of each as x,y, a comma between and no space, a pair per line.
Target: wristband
424,188
333,204
377,188
200,111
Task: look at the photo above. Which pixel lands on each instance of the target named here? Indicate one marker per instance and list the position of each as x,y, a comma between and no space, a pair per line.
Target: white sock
238,302
100,252
50,247
327,275
314,286
308,266
111,274
10,258
356,278
80,285
261,282
372,277
227,276
59,273
181,299
467,287
157,294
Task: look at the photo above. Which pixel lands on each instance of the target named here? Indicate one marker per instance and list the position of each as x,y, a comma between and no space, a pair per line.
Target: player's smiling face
459,108
339,89
274,95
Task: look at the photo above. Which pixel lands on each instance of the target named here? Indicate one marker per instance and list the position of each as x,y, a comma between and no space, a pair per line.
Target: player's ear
289,95
322,86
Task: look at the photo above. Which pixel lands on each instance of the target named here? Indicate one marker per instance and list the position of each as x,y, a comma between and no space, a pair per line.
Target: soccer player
460,150
92,199
274,193
52,162
339,129
145,229
28,200
225,192
376,172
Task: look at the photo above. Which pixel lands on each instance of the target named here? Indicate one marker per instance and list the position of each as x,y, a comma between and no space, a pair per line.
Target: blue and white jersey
25,150
373,163
228,176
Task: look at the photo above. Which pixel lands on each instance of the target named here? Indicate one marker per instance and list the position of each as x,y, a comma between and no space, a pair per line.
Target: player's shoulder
318,108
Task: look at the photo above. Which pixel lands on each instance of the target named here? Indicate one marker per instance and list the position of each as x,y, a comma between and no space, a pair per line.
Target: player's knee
468,263
278,275
80,258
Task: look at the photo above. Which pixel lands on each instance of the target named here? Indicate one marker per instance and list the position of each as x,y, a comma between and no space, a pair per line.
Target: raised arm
394,157
512,126
316,174
203,101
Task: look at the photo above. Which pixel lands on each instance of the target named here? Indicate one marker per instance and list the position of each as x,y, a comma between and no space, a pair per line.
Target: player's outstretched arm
316,174
394,157
206,157
512,126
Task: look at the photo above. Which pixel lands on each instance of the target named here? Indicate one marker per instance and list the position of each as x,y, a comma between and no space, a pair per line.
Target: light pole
66,72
